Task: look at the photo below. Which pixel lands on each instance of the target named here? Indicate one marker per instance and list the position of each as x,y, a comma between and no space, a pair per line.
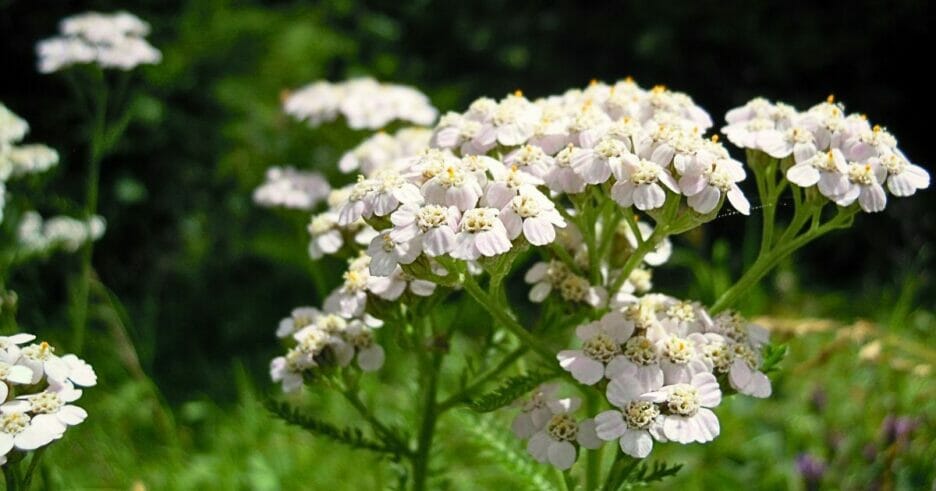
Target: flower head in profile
107,40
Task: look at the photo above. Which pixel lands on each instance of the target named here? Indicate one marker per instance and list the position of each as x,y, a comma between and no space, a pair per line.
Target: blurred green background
204,275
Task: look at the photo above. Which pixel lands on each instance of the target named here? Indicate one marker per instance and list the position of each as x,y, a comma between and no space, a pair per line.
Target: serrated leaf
353,437
506,451
512,389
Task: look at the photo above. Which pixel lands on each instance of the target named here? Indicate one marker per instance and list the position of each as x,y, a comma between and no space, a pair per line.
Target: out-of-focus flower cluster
290,188
107,40
364,102
38,236
37,392
19,160
843,155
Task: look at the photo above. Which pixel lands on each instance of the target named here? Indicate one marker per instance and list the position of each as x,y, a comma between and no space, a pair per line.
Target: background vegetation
202,275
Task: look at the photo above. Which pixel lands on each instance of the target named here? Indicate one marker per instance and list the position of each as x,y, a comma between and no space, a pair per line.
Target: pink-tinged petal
833,184
536,273
371,359
539,292
803,152
446,137
609,425
706,200
465,247
663,155
564,405
622,390
617,326
587,331
872,198
461,197
596,171
738,200
774,144
71,415
803,175
649,197
512,222
538,446
693,184
669,181
438,241
636,443
620,366
848,197
587,435
522,426
709,422
561,455
623,193
538,231
582,368
707,385
678,429
493,242
330,242
650,378
422,288
6,444
343,352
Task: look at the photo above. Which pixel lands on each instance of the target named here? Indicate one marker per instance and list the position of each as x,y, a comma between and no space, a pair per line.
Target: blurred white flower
364,102
291,188
108,40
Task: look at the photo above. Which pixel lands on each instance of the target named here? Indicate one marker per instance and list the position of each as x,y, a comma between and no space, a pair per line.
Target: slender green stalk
95,155
766,262
501,315
428,418
351,396
593,462
463,394
33,463
659,233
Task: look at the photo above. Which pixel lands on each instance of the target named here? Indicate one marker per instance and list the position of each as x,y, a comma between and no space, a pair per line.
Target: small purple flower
811,469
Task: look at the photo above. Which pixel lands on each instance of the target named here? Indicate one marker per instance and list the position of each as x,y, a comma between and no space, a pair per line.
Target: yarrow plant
578,194
38,389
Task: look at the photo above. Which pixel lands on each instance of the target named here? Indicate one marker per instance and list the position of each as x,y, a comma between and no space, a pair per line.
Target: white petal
561,455
609,425
587,435
636,443
371,359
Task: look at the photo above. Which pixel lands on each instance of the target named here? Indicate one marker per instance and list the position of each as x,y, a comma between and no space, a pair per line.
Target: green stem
30,471
95,155
659,233
766,262
621,468
351,396
593,462
463,394
501,315
429,417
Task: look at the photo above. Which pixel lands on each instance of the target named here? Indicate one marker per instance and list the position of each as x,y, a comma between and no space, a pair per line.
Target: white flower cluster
36,236
108,40
553,432
844,156
364,102
19,160
37,392
291,188
324,339
663,363
384,151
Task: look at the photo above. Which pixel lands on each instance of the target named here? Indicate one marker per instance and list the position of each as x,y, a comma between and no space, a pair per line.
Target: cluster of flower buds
18,160
107,40
844,156
290,188
37,391
364,103
663,364
320,339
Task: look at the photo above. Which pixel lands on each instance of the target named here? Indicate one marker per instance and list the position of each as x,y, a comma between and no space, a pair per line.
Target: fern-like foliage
506,450
773,355
509,391
647,473
352,437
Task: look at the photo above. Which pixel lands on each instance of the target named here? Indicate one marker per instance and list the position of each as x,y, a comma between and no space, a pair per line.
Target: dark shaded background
205,275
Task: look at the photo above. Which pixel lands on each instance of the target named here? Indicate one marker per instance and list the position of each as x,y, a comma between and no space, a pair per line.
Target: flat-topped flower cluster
107,40
842,155
16,159
37,392
364,102
579,176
